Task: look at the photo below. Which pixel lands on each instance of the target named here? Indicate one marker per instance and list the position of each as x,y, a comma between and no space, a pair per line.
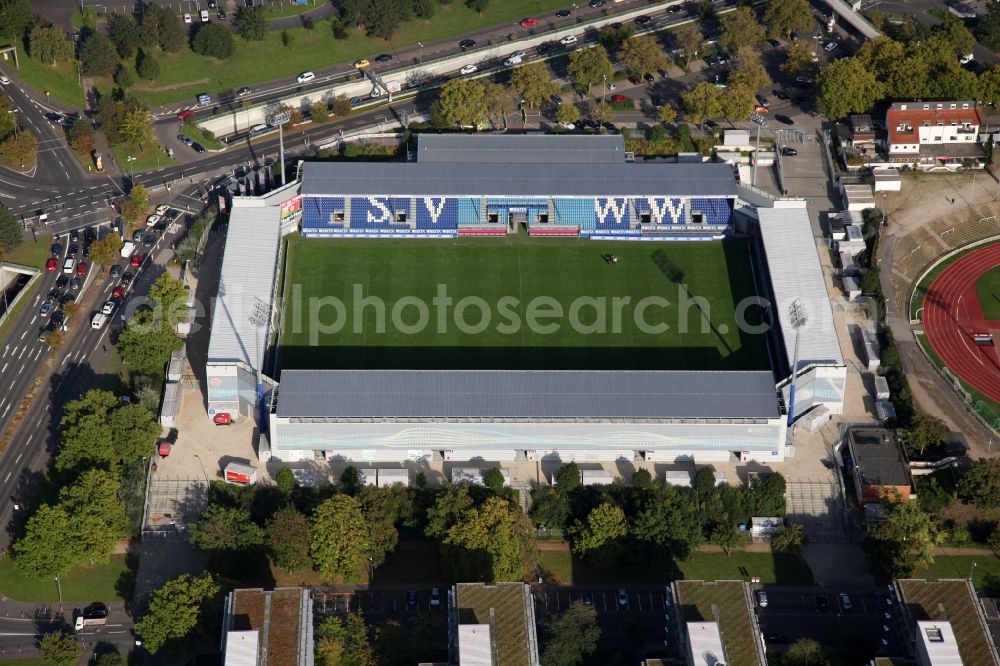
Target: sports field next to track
517,302
988,289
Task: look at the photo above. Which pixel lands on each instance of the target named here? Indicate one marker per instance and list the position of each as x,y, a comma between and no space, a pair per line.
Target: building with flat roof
954,608
721,627
940,134
268,627
704,644
881,468
493,625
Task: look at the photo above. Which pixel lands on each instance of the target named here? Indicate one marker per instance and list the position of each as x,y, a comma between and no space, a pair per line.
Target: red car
223,418
635,80
118,292
529,22
81,268
163,448
135,261
185,114
51,264
618,98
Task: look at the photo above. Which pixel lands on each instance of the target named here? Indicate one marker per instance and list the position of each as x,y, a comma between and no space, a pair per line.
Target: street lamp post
420,53
971,569
131,172
279,118
760,121
797,316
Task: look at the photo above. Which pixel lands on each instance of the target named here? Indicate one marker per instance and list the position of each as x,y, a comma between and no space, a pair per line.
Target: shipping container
241,475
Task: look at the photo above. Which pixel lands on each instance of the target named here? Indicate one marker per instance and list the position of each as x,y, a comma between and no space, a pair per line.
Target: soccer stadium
537,321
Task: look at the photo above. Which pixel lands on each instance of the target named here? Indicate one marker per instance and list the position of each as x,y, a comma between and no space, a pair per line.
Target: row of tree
101,438
17,144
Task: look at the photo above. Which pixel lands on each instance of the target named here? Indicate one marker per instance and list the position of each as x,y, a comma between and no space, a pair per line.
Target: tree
788,537
568,478
668,524
993,541
343,641
171,33
571,637
124,33
124,77
48,44
702,102
805,652
341,105
251,23
11,234
493,542
169,295
286,535
339,538
981,484
588,67
44,552
642,55
149,25
740,30
642,479
16,17
612,37
924,431
287,39
667,114
60,648
727,536
799,58
135,208
19,149
479,6
133,431
493,479
147,341
97,55
146,65
498,102
84,422
690,39
176,609
599,539
905,540
349,480
104,251
783,17
319,113
111,659
533,82
461,102
846,86
285,480
549,507
567,114
97,519
7,119
451,504
226,529
215,40
423,9
380,524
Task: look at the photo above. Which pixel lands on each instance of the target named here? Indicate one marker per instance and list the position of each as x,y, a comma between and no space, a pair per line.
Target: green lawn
31,253
195,133
988,290
986,573
504,282
61,80
151,157
772,569
84,19
104,582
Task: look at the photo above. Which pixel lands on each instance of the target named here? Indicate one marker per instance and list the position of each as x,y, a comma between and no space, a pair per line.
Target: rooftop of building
282,619
521,149
878,457
939,643
903,119
508,609
726,603
535,179
952,601
541,394
705,644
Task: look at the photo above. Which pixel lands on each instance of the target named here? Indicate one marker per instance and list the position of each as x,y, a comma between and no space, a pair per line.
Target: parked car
845,601
788,151
830,47
618,99
763,101
674,9
808,80
243,92
4,80
435,597
647,77
762,598
411,598
197,147
568,40
595,4
635,80
563,13
780,94
185,139
588,599
529,22
822,603
622,597
187,18
468,69
225,418
783,119
357,101
153,219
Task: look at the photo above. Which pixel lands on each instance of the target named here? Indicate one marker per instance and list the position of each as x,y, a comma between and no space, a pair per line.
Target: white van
69,265
97,323
127,249
204,16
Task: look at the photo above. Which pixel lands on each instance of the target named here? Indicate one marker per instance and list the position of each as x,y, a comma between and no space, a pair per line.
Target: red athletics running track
953,315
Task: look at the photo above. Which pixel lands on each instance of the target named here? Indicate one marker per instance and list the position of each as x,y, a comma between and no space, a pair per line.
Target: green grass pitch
513,283
988,289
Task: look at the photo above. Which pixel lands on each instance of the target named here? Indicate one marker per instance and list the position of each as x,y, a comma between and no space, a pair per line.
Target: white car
204,16
152,219
4,80
964,60
567,126
567,40
109,307
468,69
830,47
305,76
187,18
161,209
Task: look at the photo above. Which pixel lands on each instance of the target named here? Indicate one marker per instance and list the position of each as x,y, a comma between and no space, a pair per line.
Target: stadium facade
498,185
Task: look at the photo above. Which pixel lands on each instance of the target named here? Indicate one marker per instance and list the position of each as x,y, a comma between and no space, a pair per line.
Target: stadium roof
796,274
567,394
521,149
504,179
247,274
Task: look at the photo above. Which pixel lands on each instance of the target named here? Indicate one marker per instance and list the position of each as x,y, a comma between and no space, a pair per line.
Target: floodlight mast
798,318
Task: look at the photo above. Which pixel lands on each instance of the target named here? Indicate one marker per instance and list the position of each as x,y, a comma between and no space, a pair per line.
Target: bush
213,39
308,23
124,77
147,66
